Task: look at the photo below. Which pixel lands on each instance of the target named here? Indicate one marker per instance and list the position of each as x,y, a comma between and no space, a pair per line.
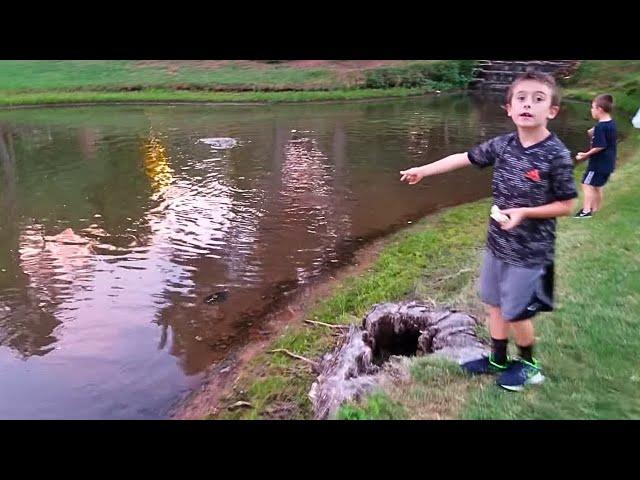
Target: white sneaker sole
537,379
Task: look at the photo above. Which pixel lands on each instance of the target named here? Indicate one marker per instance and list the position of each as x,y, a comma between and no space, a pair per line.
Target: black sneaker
484,365
582,214
519,374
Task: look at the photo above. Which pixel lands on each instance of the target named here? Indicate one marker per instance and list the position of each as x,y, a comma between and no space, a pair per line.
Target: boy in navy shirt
602,156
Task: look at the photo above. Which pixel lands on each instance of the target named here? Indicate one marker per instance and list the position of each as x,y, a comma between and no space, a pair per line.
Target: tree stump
405,329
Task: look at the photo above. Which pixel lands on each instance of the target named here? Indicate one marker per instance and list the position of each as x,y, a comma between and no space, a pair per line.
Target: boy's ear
507,107
553,111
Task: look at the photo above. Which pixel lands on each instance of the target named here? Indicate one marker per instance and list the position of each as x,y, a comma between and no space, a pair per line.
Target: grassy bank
434,259
61,75
620,78
163,96
79,81
24,82
588,345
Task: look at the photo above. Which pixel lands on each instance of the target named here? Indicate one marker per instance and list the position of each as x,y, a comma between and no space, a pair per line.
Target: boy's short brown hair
541,77
605,102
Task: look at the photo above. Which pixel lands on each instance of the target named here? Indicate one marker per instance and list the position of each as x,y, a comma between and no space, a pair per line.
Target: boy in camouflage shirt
532,185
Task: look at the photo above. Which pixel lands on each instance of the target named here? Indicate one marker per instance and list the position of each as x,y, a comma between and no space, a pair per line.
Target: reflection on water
119,225
156,166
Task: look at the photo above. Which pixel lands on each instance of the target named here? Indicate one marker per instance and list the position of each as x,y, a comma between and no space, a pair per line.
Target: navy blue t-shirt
604,136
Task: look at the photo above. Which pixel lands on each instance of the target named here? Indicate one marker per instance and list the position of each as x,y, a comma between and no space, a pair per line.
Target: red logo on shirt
533,175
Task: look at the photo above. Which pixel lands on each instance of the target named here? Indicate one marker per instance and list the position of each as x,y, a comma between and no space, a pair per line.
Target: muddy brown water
133,255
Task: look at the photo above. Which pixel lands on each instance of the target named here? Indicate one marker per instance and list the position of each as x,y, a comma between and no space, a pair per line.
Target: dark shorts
595,179
519,292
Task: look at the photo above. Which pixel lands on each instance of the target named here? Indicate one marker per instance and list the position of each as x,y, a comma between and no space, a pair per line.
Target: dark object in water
220,296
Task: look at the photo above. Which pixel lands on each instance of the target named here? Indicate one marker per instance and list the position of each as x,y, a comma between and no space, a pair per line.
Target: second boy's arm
598,142
584,155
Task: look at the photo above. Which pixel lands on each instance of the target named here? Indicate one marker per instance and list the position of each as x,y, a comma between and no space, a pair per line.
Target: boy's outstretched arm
559,208
447,164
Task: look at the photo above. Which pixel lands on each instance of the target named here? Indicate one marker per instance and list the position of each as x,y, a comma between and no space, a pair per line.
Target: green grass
34,82
157,95
590,345
620,78
33,75
436,389
415,265
442,75
377,406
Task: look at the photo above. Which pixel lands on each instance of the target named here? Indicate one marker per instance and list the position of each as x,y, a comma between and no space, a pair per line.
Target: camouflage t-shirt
525,177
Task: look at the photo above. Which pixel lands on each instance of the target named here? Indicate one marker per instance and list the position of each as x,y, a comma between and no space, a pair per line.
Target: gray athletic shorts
519,292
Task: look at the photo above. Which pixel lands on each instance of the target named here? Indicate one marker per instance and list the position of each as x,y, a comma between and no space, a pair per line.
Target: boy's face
530,105
596,112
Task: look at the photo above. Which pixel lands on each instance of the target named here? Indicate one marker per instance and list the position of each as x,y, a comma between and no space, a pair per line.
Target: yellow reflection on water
156,165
